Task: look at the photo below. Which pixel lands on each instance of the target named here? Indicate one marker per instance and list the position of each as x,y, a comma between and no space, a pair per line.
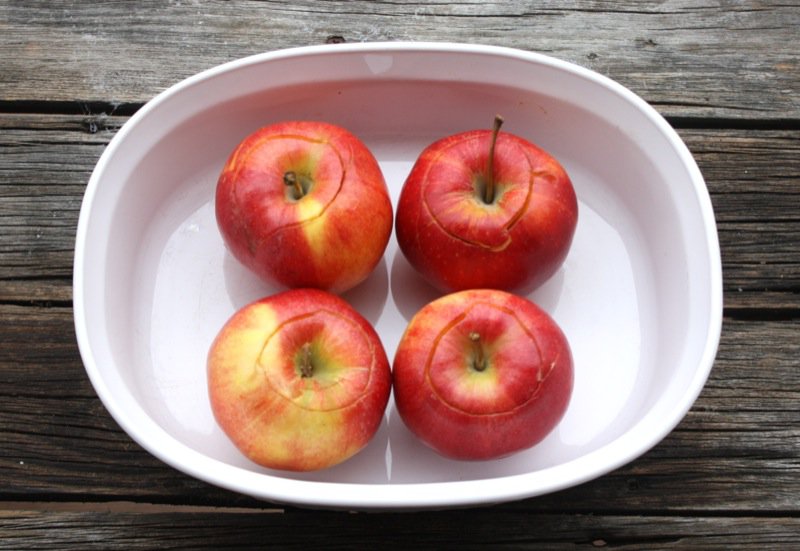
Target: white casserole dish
639,296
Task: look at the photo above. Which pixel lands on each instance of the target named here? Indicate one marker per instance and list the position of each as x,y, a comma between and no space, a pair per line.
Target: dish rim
640,438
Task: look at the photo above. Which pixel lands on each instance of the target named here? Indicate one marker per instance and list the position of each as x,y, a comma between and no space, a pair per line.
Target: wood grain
725,74
693,59
474,529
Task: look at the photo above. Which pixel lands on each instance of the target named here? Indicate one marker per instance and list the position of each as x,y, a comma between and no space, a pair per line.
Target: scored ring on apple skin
298,380
304,204
459,237
482,374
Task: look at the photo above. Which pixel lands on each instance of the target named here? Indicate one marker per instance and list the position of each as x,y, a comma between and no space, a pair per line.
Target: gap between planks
9,508
94,108
126,507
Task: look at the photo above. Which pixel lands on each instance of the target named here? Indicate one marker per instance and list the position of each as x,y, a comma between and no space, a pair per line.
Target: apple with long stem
485,209
482,374
304,204
298,380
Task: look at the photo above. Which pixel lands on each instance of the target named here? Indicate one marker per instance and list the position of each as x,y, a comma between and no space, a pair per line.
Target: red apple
298,380
484,209
304,204
481,374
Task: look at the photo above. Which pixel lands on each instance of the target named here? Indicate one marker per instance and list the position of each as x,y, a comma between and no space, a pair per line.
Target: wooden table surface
726,75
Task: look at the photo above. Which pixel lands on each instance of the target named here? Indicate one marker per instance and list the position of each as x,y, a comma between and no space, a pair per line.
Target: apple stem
291,179
479,361
488,190
306,365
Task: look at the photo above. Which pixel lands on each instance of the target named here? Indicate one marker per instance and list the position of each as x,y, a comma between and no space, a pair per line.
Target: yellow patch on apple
313,223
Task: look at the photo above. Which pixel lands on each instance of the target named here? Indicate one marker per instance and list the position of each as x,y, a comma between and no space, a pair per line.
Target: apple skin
332,237
279,418
512,404
457,241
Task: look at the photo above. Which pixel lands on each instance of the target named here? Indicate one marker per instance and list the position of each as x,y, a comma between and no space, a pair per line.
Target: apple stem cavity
488,190
478,360
306,364
290,179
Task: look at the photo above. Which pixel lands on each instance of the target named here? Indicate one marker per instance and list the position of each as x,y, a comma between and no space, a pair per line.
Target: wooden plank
755,191
37,292
690,59
753,176
60,443
753,179
45,163
46,160
484,528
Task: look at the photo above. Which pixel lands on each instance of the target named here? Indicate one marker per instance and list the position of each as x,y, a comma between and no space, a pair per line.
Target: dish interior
625,297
